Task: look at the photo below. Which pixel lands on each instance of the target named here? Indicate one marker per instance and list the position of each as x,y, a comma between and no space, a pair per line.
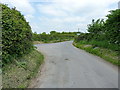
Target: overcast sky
62,15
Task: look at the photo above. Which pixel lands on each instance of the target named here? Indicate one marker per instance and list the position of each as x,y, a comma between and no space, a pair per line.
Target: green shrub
103,44
16,34
54,36
113,27
103,33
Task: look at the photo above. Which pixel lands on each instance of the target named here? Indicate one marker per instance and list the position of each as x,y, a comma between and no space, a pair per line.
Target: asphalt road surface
69,67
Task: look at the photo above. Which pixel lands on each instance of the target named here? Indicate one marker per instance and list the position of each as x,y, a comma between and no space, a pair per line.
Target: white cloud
22,5
35,27
51,9
76,12
63,19
63,14
29,17
75,5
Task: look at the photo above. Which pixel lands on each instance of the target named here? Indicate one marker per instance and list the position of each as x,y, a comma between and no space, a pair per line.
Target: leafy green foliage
113,27
16,34
102,33
54,36
96,29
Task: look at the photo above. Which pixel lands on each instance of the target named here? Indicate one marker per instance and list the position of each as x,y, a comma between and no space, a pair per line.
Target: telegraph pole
78,29
78,33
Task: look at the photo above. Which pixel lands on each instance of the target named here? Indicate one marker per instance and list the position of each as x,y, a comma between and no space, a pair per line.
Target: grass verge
106,54
19,73
56,41
38,42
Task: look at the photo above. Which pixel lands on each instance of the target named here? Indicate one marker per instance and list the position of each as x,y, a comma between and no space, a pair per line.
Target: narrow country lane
69,67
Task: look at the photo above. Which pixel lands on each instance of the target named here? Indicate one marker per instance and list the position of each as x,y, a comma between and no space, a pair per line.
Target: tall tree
113,26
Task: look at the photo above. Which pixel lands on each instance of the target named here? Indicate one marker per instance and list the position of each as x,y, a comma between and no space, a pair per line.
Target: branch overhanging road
69,67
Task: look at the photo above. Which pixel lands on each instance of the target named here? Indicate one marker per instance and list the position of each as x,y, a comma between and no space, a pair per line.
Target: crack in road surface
83,70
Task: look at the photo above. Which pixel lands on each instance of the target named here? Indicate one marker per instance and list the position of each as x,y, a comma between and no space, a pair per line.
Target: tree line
54,36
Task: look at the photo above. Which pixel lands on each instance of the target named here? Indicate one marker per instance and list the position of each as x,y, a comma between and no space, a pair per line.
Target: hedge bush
16,34
104,33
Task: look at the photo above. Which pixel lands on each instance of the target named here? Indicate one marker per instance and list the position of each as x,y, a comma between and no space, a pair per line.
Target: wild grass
103,44
37,42
51,41
105,53
19,73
